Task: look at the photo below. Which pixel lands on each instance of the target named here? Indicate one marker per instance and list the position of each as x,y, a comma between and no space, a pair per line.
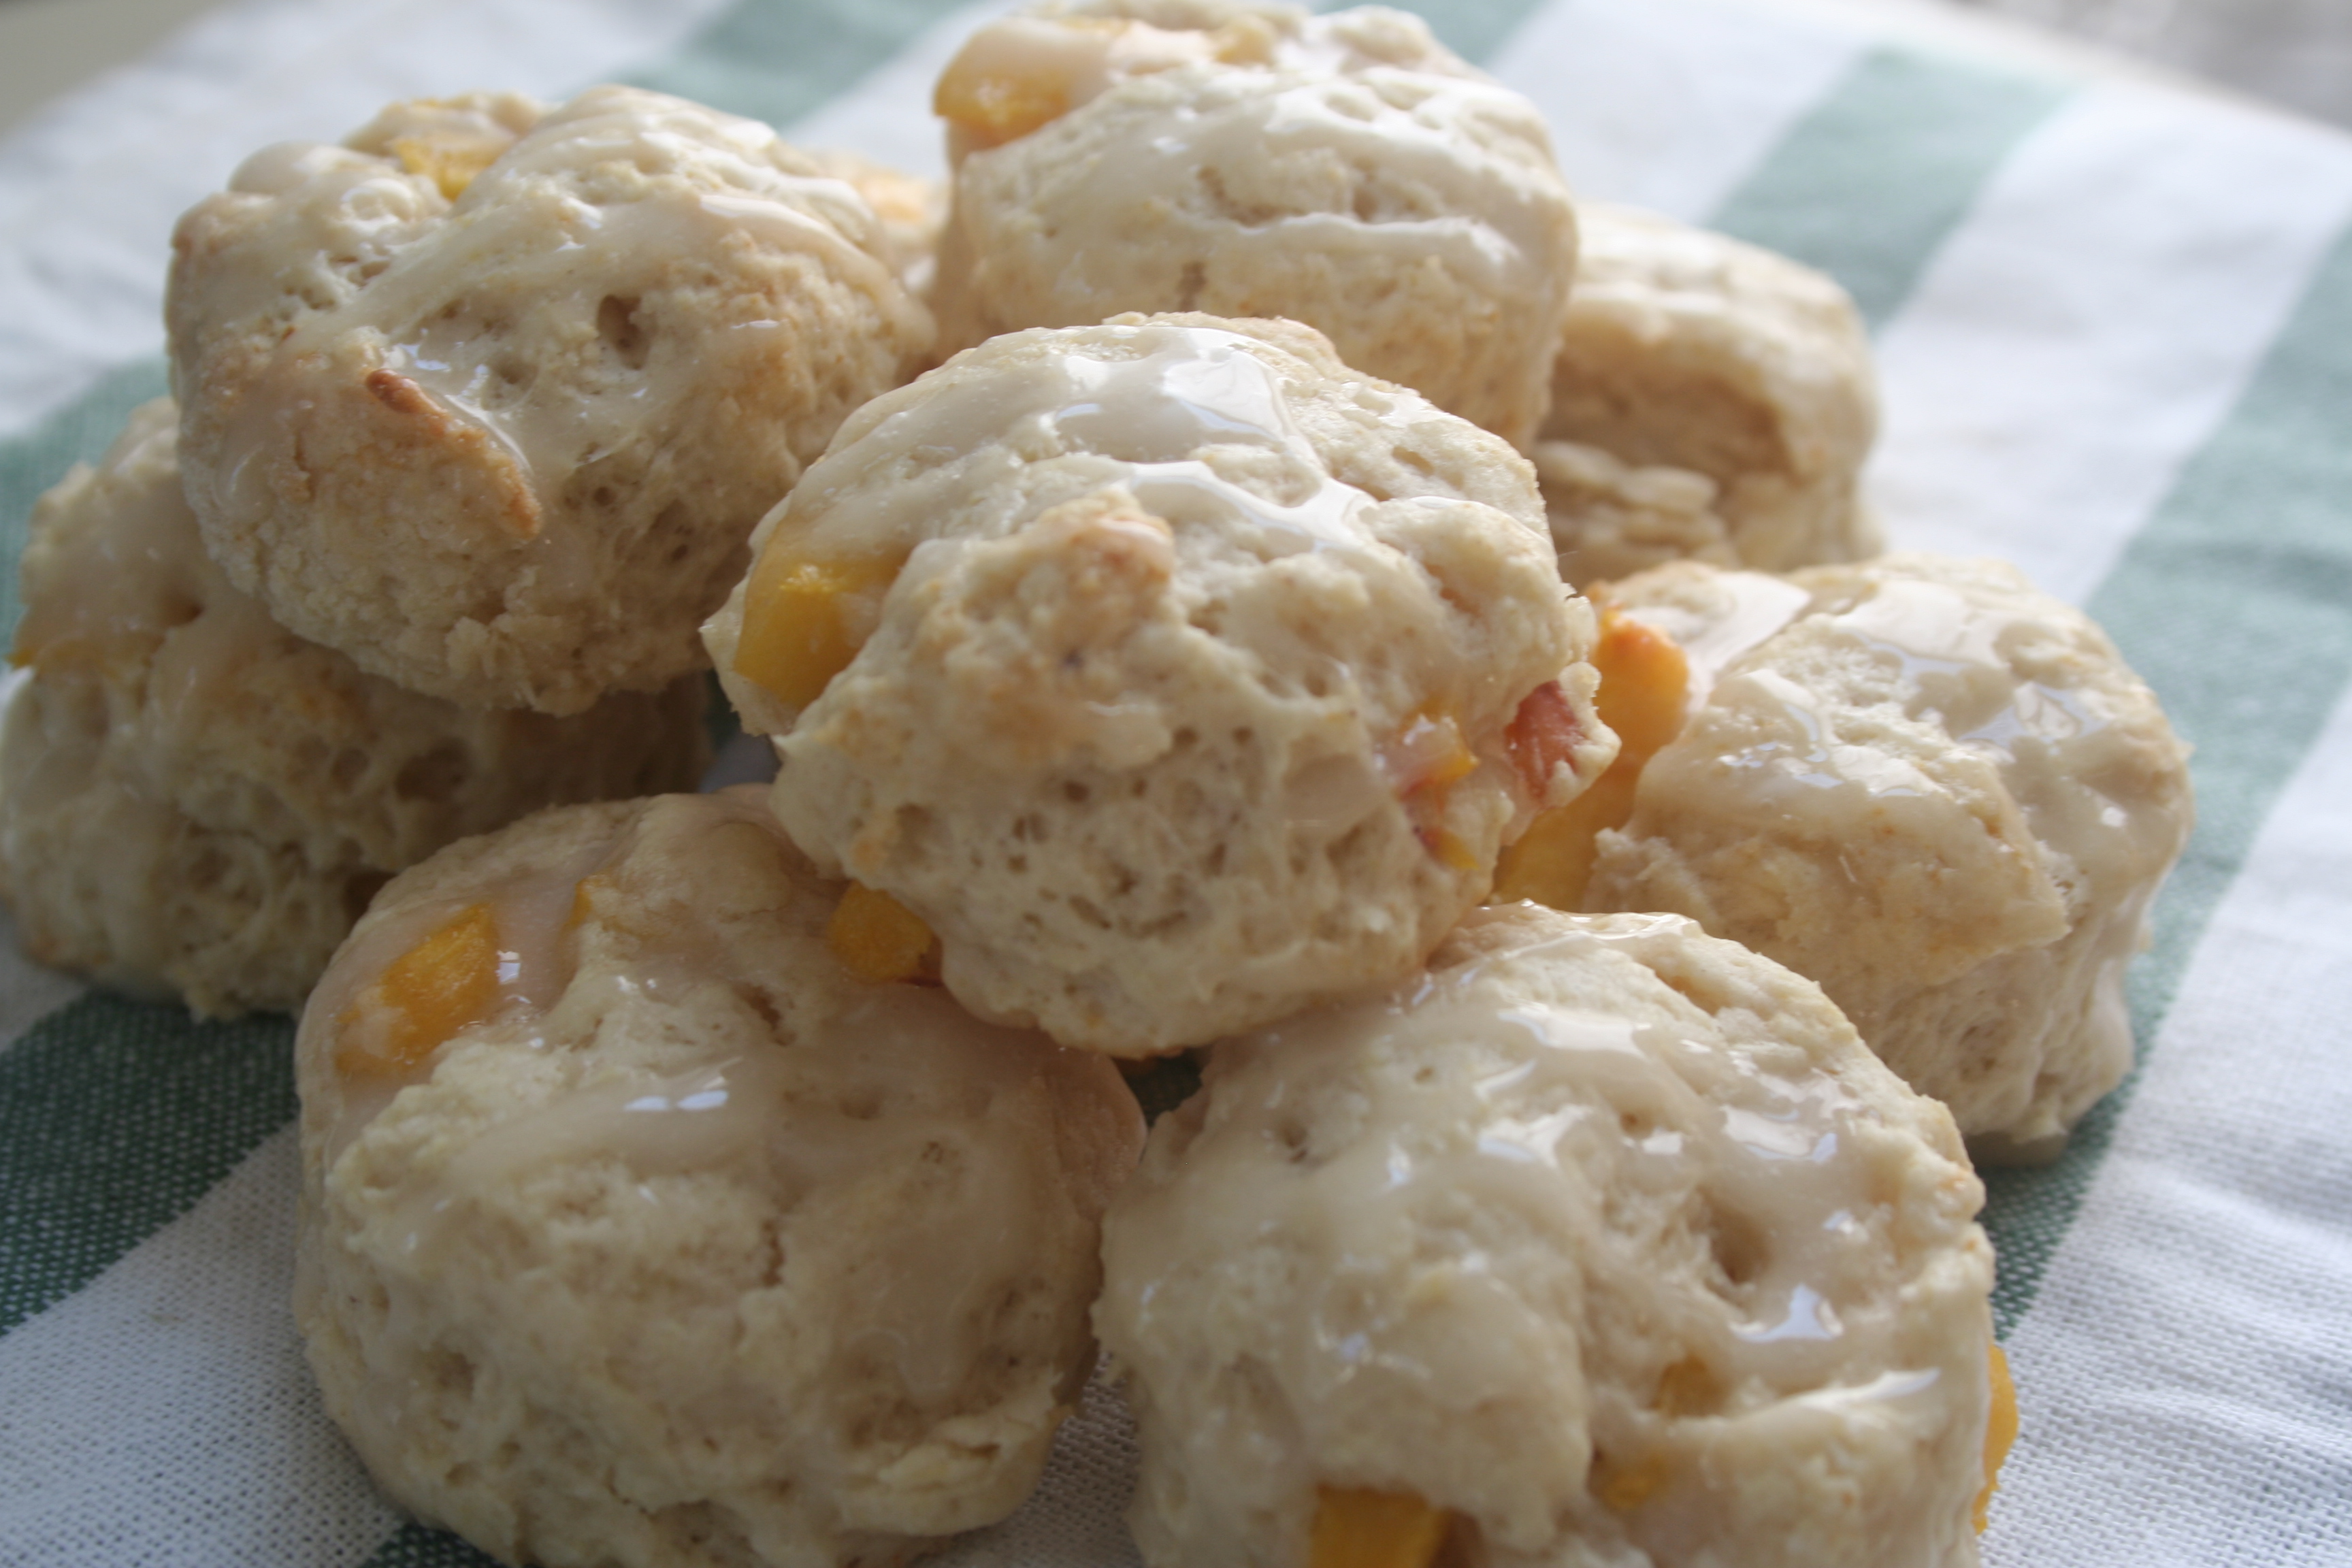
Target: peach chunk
878,938
1542,736
2001,1431
426,995
1644,679
450,164
1423,762
1021,72
804,620
1360,1528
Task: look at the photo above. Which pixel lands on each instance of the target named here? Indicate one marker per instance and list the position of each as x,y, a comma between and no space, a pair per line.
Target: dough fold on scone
1687,349
1346,171
1196,677
637,1234
1606,1239
490,399
195,802
1935,790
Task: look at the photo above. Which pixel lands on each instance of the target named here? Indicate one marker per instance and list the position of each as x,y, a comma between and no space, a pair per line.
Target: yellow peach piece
449,165
1019,74
1621,1488
802,624
1423,762
1643,680
2001,1431
426,995
1360,1528
879,940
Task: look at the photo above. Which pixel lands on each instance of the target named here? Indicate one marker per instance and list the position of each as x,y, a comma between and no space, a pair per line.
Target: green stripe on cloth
2235,604
115,1117
34,461
776,60
421,1546
1867,185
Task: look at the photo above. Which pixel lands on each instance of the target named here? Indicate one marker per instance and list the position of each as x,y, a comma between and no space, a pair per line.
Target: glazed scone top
1894,773
487,379
1688,349
719,1230
1043,61
1344,171
1194,675
1606,1234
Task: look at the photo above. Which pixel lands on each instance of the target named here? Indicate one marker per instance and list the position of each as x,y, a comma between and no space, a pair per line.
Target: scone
1685,349
636,1232
490,399
195,802
1931,788
1345,171
1611,518
1174,674
1602,1243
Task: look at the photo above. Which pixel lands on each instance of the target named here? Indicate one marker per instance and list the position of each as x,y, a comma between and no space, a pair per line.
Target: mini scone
1176,675
1611,518
195,802
1602,1243
1686,348
1345,171
636,1231
490,399
1935,790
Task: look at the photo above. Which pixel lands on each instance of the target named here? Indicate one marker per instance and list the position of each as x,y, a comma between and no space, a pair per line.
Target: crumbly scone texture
1688,349
1358,178
490,399
693,1250
1935,790
1609,518
1214,680
1608,1237
193,801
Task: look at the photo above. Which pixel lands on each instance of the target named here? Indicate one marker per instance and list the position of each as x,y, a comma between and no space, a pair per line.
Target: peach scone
488,398
1935,790
1173,674
195,802
1601,1243
635,1230
1345,170
1712,401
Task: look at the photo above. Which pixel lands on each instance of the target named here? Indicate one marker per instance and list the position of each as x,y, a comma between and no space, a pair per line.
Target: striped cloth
2114,324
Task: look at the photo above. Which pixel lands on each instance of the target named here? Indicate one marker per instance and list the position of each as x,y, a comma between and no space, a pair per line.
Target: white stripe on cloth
1669,104
2093,322
164,1414
90,189
2183,1374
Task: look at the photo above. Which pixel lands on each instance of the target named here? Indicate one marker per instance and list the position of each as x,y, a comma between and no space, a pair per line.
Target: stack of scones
1252,589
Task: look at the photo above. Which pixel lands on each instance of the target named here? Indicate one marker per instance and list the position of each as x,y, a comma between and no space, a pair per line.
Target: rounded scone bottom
691,1249
1607,1239
1932,788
